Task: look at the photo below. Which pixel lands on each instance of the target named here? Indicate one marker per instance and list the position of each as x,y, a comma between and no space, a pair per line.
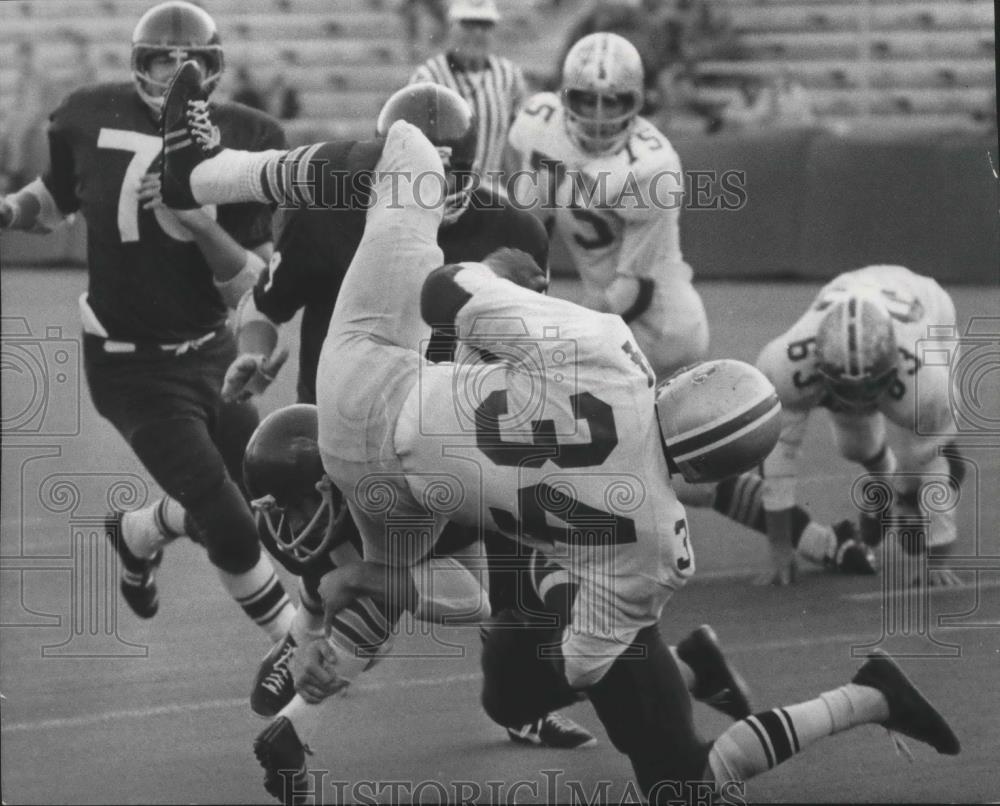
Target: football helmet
295,502
450,124
602,70
856,349
717,419
182,31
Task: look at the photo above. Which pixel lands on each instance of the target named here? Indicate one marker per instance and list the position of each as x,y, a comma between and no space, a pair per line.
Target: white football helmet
717,419
856,349
602,91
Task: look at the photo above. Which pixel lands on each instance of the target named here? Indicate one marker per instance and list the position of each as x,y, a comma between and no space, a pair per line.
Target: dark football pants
642,701
168,408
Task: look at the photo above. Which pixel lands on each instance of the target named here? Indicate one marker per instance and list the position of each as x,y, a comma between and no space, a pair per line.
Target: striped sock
762,741
262,596
363,628
741,499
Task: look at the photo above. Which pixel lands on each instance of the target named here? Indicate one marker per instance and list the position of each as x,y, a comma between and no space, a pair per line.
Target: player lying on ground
155,340
857,352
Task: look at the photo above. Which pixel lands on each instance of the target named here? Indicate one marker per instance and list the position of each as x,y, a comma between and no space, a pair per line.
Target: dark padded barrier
761,237
816,204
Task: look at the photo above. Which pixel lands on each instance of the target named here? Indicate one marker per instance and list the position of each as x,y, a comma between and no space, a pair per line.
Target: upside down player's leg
372,352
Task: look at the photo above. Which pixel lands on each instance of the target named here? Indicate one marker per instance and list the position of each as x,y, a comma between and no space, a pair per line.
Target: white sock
232,176
149,529
305,718
262,596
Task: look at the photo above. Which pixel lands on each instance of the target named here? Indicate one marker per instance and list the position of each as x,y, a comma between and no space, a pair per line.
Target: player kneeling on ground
856,353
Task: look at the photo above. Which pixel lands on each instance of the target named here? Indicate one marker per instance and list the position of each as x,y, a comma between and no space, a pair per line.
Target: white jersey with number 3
618,213
555,444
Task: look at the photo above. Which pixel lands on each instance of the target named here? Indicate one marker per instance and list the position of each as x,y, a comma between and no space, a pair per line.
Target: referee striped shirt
494,93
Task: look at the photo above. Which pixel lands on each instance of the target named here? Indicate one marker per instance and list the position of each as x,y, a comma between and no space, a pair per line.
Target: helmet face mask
177,31
302,528
856,351
599,123
295,502
448,121
602,92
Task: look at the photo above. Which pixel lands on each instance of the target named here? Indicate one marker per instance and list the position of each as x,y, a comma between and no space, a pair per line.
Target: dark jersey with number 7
148,279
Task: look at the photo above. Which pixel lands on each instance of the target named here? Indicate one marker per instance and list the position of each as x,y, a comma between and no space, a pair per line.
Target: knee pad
520,682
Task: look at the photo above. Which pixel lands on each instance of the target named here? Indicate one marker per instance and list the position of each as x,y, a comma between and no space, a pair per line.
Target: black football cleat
716,682
909,711
138,575
854,555
273,687
553,730
189,138
283,757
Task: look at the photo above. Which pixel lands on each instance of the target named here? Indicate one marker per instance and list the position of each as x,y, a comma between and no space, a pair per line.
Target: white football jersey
918,401
553,440
618,213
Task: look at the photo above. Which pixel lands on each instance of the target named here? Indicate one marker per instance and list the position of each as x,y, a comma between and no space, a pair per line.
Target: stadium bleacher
914,63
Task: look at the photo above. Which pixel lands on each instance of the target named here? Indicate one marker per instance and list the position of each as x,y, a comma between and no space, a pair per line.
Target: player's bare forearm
223,254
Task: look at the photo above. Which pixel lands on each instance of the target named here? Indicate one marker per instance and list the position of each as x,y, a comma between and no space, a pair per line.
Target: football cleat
283,757
853,555
909,711
553,730
717,684
273,686
189,137
138,575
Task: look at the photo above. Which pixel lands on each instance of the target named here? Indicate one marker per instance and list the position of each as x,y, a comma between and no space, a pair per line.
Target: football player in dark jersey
155,339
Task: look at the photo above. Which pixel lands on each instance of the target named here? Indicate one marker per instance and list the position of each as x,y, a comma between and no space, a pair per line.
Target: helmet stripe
732,426
853,323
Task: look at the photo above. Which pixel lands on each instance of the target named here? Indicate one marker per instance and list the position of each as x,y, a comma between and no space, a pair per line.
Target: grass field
103,708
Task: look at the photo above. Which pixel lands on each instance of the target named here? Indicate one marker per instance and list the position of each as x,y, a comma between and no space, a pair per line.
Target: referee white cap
473,10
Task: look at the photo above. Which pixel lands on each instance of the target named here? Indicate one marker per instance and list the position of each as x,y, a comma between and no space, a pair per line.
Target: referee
493,86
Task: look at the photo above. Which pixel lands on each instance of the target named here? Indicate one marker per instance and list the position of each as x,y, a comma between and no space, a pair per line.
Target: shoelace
275,681
200,124
902,750
561,722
